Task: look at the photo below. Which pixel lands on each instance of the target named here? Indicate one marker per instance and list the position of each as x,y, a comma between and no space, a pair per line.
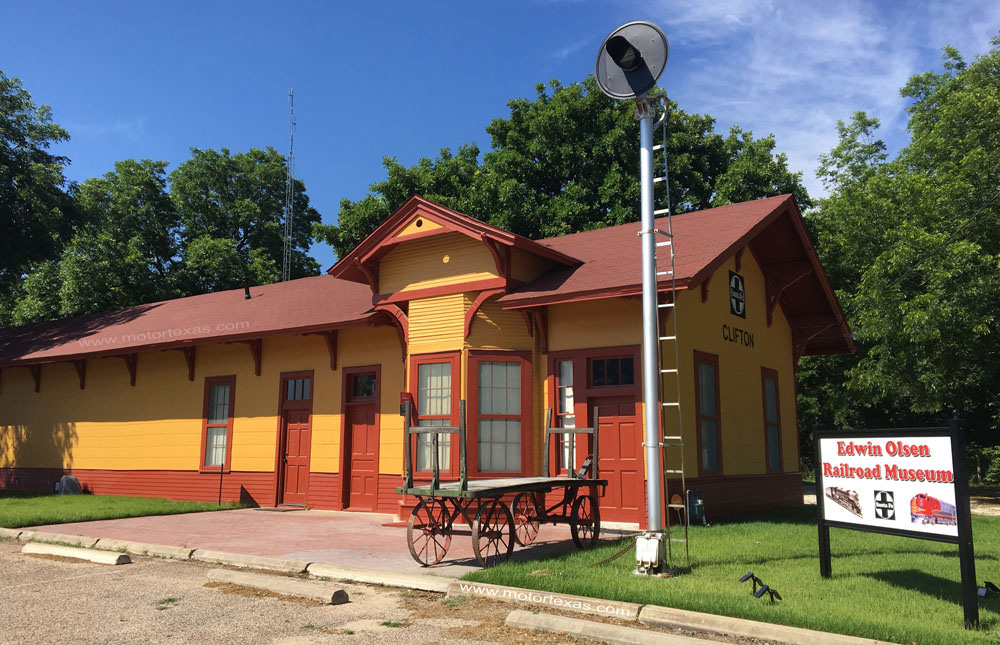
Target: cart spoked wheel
428,533
585,522
493,533
525,512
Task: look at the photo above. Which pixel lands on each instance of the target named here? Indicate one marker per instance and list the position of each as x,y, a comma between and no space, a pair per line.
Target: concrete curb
581,604
99,557
10,533
250,561
679,618
26,536
149,550
75,540
286,586
596,631
374,576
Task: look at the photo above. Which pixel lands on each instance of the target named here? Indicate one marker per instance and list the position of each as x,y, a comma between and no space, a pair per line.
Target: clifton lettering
737,335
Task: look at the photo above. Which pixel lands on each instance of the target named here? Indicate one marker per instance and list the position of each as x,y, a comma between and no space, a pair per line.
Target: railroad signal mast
629,62
286,256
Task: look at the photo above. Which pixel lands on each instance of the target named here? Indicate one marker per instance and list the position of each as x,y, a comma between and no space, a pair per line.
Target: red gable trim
383,239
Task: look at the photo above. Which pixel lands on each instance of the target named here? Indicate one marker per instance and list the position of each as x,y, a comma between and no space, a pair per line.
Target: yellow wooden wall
611,322
156,425
449,258
700,328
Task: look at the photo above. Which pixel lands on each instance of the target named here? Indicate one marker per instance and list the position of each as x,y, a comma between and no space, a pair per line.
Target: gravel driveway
48,600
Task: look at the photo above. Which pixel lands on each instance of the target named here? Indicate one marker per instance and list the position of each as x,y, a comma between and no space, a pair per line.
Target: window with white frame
499,416
433,410
565,417
218,421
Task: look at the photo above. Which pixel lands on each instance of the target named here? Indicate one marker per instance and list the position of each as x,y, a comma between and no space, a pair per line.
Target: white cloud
793,68
567,51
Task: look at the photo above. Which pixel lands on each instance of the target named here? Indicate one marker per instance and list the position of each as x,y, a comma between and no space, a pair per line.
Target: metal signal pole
286,259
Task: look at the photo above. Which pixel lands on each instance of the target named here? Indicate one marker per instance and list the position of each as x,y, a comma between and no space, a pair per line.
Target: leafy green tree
37,209
568,161
231,213
913,246
446,180
753,171
122,254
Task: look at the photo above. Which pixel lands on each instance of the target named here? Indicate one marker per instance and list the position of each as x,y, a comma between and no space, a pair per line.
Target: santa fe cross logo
885,507
737,295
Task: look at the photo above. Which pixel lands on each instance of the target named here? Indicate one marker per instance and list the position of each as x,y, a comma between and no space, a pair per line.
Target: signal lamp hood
631,60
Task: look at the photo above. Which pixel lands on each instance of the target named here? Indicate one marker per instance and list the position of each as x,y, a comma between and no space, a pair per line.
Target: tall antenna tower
286,260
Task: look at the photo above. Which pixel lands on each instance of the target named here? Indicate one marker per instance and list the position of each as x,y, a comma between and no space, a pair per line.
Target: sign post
906,482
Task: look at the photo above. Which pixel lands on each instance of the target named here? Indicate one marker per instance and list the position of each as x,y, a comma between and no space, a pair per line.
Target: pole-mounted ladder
672,441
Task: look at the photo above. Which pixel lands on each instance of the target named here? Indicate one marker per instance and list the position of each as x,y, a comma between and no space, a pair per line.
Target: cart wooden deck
495,526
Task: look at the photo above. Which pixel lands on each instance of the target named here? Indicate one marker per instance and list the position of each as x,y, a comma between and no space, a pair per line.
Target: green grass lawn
895,589
22,509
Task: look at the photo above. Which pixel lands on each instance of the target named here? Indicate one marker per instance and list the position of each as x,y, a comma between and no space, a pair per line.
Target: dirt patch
254,592
980,505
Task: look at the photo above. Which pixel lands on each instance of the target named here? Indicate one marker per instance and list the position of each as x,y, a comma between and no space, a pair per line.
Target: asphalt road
45,600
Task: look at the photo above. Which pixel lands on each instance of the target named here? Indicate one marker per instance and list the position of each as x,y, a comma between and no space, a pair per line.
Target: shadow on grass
926,583
798,515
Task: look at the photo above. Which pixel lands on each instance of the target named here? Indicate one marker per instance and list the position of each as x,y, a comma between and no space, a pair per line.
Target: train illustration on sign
846,498
925,509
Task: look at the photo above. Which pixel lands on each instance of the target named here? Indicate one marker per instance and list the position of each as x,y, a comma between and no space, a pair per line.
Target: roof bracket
256,346
330,338
189,356
541,317
36,374
774,288
131,361
81,371
477,304
402,323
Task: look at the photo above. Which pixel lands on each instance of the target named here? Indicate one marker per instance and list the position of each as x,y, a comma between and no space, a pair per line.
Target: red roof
612,261
772,228
296,306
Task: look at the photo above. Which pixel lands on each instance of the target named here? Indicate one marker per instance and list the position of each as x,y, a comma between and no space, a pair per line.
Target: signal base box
650,554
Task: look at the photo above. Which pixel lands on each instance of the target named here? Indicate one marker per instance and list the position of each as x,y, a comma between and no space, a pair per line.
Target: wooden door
295,437
298,438
363,433
621,463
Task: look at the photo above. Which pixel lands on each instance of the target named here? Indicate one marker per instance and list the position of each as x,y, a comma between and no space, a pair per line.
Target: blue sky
405,79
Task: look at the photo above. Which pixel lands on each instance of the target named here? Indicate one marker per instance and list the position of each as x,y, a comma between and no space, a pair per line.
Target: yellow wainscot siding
441,260
437,324
710,327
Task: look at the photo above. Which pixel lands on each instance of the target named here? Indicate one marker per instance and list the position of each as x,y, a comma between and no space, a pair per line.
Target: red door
620,436
296,437
364,456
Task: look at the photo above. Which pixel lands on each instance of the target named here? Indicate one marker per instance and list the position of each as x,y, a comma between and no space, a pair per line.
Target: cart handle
572,432
434,432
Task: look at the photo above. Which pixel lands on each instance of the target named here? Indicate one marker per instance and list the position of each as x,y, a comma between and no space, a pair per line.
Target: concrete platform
342,538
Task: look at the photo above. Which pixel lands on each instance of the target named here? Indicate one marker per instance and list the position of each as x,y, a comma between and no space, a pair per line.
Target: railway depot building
292,396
